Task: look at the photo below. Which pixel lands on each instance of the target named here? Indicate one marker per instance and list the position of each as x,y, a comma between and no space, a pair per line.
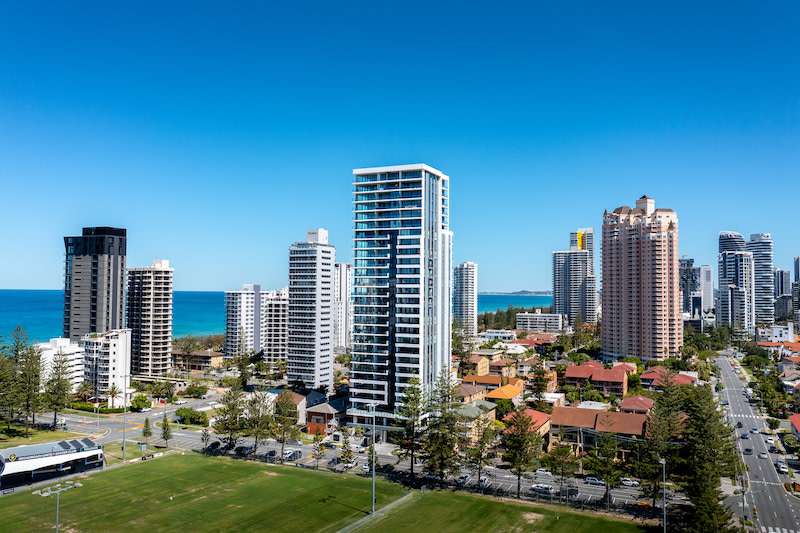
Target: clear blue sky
218,132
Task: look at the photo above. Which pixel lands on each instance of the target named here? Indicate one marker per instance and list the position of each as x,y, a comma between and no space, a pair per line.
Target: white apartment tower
150,318
760,245
574,281
465,297
736,305
706,287
311,303
74,356
401,286
343,305
107,364
256,321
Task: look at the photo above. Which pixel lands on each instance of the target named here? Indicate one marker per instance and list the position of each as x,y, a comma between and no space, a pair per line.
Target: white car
483,482
541,488
770,440
352,465
462,479
180,402
628,482
366,467
543,472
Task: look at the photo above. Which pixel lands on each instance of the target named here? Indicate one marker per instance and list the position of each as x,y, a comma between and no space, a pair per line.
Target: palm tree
113,393
85,391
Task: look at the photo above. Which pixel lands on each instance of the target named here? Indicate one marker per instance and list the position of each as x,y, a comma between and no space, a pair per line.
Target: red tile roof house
583,427
654,377
794,421
609,382
503,367
491,382
540,421
636,404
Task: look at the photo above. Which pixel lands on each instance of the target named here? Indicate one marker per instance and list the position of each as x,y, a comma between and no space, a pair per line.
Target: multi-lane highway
776,511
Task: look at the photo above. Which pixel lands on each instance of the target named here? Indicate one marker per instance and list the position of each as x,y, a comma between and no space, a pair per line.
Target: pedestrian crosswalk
765,529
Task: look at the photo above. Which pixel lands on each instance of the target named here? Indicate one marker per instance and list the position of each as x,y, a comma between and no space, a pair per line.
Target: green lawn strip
133,449
16,436
209,494
444,511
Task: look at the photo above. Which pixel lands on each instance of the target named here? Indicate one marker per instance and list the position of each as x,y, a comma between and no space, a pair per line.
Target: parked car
291,455
592,480
462,479
773,449
541,488
366,467
272,454
144,410
214,446
335,461
352,464
180,402
770,440
782,468
569,492
386,469
359,449
483,482
543,472
330,445
628,482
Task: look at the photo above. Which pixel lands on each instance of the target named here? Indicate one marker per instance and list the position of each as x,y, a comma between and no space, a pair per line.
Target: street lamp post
664,484
124,414
57,491
372,410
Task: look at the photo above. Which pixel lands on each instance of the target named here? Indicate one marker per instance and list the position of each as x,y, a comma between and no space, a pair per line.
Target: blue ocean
195,313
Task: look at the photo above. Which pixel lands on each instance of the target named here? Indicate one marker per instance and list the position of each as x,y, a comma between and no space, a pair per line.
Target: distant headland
518,293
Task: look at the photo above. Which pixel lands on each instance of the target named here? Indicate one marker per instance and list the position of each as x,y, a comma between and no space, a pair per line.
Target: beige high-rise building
150,318
641,287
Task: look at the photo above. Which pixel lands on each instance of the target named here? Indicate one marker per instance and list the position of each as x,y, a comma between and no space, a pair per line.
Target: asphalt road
776,510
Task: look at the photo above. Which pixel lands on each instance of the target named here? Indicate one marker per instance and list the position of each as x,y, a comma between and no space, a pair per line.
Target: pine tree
347,452
205,436
166,429
147,429
480,451
411,421
284,425
58,387
440,448
229,417
522,443
29,383
319,449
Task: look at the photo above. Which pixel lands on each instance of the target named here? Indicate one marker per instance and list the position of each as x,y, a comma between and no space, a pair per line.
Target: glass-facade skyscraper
401,287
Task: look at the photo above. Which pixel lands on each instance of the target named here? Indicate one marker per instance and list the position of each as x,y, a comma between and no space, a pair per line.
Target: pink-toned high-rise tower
641,288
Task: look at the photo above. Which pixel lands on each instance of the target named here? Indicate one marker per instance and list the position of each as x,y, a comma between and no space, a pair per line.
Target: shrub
191,416
196,391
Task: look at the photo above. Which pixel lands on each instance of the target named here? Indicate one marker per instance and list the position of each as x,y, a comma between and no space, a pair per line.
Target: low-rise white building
501,334
108,364
74,355
539,321
776,333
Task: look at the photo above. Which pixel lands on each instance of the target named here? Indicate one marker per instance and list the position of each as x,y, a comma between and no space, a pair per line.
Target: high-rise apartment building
783,282
343,305
641,292
108,364
150,318
736,304
574,282
760,245
311,301
465,297
94,282
690,282
256,321
401,286
707,287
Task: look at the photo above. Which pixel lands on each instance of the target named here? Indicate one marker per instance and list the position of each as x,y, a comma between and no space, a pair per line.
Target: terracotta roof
637,403
795,421
465,389
572,416
593,363
653,372
611,375
769,344
531,361
793,359
502,362
579,372
506,392
625,423
491,380
537,417
628,367
475,358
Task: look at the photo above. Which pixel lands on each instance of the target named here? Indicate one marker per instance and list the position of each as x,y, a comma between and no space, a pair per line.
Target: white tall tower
401,286
150,318
343,305
465,297
707,287
761,246
574,282
310,345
